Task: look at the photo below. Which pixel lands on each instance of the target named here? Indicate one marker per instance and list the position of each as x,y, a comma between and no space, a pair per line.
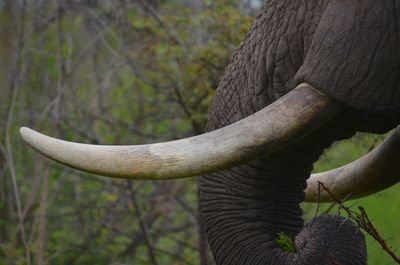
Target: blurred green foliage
120,73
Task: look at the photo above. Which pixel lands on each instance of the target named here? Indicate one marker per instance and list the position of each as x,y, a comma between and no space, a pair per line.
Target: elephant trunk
246,207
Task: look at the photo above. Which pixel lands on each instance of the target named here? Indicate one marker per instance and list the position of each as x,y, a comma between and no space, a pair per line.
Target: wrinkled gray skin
349,50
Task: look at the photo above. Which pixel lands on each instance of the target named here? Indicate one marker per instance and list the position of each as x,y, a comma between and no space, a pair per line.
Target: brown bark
42,217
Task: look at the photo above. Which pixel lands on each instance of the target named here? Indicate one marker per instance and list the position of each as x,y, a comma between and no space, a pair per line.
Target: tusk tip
24,131
27,134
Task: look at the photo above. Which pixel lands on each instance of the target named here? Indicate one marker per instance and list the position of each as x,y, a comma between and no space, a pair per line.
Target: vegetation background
121,72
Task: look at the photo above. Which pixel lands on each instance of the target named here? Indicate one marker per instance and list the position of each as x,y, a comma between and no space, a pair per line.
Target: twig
14,87
152,12
143,227
363,221
60,63
42,218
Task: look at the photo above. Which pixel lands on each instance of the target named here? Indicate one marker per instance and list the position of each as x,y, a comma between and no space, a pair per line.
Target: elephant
307,74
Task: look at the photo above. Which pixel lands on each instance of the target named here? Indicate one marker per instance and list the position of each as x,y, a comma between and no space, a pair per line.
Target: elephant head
309,72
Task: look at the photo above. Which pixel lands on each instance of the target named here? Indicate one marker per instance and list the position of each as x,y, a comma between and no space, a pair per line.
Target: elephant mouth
269,130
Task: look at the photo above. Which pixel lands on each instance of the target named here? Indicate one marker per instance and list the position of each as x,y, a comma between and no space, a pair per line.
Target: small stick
363,221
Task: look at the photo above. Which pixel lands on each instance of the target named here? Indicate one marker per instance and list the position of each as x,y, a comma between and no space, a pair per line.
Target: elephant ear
354,56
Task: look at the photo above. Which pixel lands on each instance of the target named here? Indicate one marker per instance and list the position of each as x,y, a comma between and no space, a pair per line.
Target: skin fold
350,50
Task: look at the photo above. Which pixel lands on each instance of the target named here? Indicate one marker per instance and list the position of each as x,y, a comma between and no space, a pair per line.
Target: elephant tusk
372,173
291,117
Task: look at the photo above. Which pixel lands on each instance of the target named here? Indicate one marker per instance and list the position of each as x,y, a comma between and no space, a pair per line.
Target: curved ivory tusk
374,172
291,117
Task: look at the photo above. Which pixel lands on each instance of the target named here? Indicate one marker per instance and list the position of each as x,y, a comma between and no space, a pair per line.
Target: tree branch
363,221
14,87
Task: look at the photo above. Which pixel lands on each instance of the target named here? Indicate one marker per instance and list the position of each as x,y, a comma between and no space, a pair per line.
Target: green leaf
286,243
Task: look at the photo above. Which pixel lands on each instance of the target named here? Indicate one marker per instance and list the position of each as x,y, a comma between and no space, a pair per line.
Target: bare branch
14,87
363,221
